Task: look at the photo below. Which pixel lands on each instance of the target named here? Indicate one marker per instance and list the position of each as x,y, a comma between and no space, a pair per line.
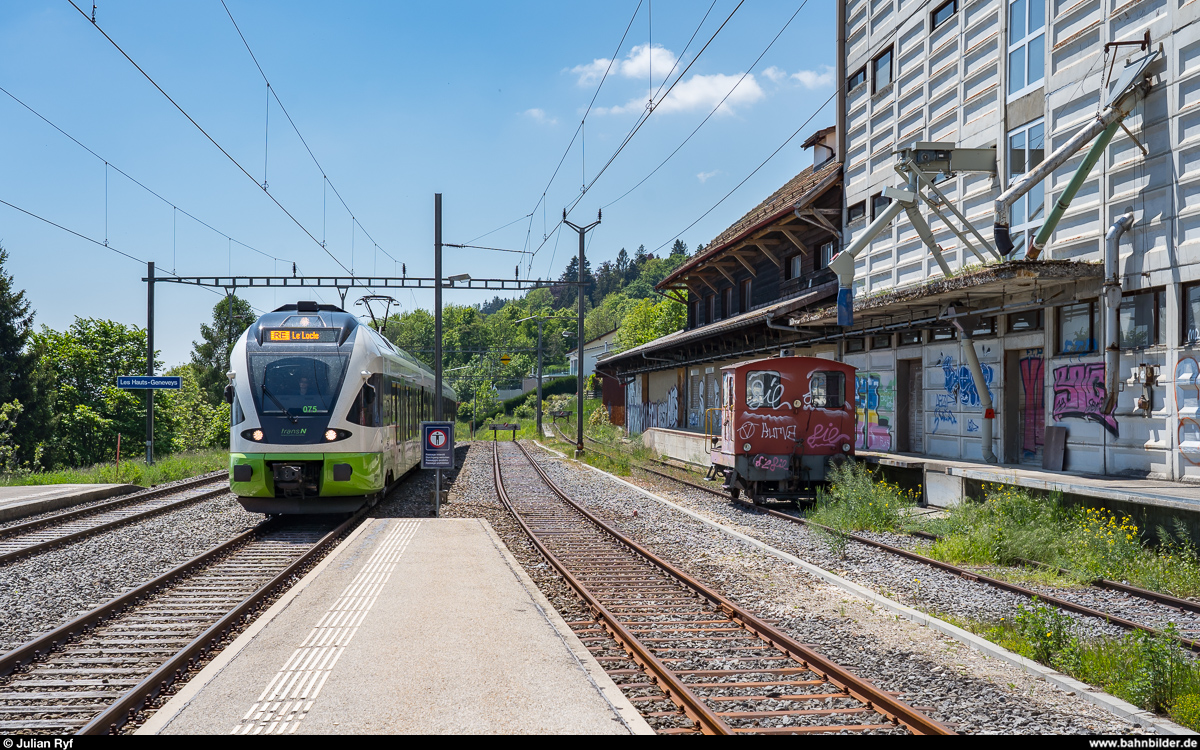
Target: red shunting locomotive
782,423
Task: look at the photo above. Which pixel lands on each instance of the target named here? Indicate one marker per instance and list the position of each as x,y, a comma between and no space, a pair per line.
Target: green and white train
326,412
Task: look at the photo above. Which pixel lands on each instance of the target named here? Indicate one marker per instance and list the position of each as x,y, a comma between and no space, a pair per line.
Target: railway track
19,540
1171,602
690,659
91,675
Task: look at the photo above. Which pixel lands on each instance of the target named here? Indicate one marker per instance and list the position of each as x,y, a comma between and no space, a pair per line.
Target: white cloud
591,72
704,91
539,116
700,92
705,176
644,59
815,79
639,63
775,74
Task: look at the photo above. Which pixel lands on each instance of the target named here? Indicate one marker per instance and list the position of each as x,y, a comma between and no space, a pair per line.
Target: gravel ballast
961,686
46,589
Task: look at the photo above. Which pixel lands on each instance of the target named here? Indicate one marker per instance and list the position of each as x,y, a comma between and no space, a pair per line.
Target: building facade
1023,77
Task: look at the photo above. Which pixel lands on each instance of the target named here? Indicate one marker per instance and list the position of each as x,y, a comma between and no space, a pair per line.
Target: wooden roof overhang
809,215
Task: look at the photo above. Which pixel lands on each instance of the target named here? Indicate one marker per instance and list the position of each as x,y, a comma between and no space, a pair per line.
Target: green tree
22,379
412,331
192,420
210,356
83,363
650,320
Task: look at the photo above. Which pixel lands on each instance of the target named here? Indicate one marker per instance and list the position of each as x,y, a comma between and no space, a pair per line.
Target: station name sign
150,382
301,335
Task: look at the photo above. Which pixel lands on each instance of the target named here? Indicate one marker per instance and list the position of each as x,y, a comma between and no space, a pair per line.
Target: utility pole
579,337
150,362
437,337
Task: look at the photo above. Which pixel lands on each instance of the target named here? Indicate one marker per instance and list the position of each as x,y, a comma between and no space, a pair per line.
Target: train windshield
296,385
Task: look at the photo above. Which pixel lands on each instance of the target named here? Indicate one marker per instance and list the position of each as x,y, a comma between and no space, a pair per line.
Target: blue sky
398,101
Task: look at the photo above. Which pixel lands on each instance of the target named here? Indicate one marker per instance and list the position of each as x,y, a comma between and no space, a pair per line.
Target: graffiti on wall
943,413
960,385
871,396
634,414
664,413
1034,414
1079,394
1187,402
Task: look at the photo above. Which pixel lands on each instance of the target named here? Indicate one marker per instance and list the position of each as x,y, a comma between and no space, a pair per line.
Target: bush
1013,524
856,501
1186,711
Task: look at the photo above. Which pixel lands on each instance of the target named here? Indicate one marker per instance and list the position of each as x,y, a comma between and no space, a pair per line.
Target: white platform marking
290,695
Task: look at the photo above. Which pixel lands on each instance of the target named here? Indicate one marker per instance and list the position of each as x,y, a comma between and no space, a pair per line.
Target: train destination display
301,335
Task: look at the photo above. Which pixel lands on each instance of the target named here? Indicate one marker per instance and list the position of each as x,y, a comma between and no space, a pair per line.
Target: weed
857,501
135,471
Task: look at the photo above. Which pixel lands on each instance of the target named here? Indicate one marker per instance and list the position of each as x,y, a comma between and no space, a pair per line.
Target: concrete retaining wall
678,444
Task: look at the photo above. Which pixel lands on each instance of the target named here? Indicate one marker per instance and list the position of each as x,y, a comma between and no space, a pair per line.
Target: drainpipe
1104,125
1112,304
985,398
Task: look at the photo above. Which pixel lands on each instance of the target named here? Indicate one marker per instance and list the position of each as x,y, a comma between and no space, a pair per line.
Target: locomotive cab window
828,390
764,389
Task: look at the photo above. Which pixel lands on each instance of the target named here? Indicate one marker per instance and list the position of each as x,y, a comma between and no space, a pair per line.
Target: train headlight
845,447
257,436
331,435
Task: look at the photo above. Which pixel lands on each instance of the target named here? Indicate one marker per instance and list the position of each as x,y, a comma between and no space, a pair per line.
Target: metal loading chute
1124,94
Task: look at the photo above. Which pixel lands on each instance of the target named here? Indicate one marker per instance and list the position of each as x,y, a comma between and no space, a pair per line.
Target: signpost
505,359
149,383
437,452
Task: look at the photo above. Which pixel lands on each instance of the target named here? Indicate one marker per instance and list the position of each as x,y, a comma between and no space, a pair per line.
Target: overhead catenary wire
109,165
837,90
715,109
212,140
645,117
272,93
786,141
104,244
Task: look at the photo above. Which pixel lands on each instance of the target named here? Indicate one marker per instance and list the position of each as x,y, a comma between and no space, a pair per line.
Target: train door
1023,441
728,400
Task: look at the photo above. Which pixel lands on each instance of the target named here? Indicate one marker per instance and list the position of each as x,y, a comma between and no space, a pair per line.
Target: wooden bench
495,428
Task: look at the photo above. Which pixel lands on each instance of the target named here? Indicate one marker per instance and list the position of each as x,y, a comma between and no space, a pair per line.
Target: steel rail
175,667
1166,600
51,639
111,719
8,534
670,684
133,497
860,689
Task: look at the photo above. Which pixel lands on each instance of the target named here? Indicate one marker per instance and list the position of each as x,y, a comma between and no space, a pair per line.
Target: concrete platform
1157,493
409,626
19,502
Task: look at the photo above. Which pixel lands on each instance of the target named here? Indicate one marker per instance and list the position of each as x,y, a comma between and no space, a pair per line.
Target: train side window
238,415
828,390
367,406
764,389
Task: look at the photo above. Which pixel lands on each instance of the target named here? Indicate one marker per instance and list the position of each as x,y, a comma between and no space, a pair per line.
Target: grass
1013,524
167,469
856,501
1149,671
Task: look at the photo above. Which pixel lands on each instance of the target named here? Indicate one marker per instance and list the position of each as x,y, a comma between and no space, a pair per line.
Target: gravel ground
43,591
963,687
